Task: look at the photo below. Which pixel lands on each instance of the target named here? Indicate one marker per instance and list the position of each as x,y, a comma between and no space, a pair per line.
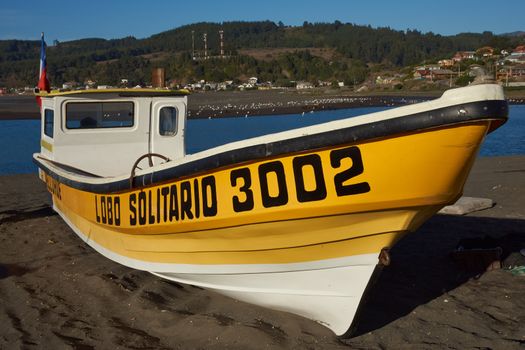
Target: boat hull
300,232
326,291
400,183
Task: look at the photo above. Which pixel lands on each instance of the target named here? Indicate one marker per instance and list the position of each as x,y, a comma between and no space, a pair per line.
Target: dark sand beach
58,293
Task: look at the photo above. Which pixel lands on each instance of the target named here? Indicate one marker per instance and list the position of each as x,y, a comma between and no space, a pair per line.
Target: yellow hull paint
302,207
46,145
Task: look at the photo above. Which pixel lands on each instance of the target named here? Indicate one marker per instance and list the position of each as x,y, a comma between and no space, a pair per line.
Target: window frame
176,120
100,128
46,122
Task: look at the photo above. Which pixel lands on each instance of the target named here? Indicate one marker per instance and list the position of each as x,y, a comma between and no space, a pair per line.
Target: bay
19,139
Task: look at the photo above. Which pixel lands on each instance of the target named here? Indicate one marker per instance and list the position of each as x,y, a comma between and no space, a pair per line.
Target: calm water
19,139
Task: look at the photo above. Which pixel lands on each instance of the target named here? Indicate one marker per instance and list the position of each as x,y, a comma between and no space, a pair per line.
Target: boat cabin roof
95,93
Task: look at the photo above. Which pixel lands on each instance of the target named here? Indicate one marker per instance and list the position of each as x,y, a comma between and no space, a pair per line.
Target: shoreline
58,292
254,103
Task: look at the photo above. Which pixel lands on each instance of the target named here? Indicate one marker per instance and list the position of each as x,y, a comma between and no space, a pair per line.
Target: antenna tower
205,38
221,34
193,45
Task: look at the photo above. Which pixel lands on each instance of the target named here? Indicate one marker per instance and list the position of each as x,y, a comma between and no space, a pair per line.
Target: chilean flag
43,83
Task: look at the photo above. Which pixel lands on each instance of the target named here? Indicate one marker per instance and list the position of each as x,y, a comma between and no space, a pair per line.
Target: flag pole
43,83
41,48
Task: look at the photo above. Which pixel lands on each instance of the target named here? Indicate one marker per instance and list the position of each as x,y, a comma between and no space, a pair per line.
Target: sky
68,20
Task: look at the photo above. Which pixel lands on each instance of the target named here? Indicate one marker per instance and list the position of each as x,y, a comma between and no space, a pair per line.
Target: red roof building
464,55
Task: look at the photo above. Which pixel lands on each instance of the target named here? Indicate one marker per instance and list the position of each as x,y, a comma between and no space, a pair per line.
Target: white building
304,85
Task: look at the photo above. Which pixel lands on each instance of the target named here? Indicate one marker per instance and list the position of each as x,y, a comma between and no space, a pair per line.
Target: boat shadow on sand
16,215
422,267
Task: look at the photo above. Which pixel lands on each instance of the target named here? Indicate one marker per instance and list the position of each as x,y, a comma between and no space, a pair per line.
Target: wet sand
58,293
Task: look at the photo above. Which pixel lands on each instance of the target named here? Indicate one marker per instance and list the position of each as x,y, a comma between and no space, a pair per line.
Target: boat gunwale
440,117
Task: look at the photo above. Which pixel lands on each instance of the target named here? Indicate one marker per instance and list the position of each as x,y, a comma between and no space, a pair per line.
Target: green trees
354,47
464,80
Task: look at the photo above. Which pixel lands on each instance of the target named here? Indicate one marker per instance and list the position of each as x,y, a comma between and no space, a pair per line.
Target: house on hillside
464,55
429,67
433,74
226,85
210,86
516,58
267,85
424,72
517,55
388,80
247,86
507,73
90,84
70,85
301,85
485,52
441,74
446,63
520,50
420,73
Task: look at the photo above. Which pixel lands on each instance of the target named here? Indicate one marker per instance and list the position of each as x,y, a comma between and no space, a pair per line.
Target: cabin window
49,117
168,121
95,115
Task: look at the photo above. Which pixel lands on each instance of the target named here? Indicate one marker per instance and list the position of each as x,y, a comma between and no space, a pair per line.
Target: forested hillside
354,48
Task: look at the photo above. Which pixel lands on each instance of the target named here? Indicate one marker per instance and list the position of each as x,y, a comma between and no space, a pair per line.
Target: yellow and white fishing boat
294,221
